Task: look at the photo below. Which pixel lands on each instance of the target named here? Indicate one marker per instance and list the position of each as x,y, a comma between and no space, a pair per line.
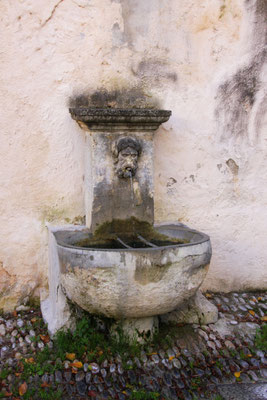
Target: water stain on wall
232,165
238,94
134,97
236,98
154,71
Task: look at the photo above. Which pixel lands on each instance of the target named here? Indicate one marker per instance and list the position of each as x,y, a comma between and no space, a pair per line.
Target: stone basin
133,282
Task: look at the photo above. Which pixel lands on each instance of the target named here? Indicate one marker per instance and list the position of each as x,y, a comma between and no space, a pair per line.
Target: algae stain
128,230
54,214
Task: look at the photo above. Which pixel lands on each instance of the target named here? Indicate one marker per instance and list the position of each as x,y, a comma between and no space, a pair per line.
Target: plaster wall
202,59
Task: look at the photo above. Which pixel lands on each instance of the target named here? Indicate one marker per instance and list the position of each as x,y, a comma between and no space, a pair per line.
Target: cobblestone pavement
217,361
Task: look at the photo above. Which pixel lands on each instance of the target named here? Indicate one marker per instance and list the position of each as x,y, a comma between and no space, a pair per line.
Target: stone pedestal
197,310
138,329
55,309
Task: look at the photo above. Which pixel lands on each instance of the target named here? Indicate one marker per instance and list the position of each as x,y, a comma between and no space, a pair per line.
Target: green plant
143,395
96,345
4,373
261,338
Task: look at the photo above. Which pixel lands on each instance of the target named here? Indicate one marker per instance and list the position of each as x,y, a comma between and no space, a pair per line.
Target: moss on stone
128,229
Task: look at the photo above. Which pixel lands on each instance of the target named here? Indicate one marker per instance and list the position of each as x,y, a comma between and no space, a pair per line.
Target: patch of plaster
7,281
154,71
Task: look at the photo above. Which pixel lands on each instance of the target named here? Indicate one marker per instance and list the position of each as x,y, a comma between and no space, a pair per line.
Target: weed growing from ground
261,338
144,395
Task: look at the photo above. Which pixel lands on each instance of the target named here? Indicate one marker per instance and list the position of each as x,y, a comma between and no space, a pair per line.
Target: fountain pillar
119,163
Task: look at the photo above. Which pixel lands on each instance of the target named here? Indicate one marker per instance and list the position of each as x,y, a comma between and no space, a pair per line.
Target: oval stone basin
133,277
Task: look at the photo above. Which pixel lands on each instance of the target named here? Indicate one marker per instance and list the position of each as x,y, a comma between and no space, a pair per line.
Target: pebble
79,376
176,363
233,322
18,356
67,376
120,369
229,344
211,345
263,373
253,375
203,334
2,330
103,372
58,376
254,362
88,377
20,323
28,339
112,368
94,368
81,388
155,358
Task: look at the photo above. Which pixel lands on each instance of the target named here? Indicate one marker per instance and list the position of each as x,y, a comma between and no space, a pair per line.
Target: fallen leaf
251,312
45,338
70,356
92,393
208,295
33,319
8,394
17,373
23,389
15,313
259,298
171,358
264,319
237,374
76,364
45,384
30,360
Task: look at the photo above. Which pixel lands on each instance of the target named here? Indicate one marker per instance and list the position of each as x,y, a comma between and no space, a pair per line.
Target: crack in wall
52,13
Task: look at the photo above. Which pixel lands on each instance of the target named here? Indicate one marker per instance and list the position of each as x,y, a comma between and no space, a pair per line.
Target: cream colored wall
200,58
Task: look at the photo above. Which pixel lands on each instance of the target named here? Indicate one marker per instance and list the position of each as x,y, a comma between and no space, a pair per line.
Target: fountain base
131,285
138,329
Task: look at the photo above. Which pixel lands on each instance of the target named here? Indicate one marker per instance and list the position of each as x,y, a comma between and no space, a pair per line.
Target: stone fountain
120,264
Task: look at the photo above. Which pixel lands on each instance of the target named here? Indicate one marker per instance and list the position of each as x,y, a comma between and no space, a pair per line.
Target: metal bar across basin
122,242
146,241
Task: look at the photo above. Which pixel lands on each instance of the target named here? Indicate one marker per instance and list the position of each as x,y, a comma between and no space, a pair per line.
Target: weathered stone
79,376
198,310
81,388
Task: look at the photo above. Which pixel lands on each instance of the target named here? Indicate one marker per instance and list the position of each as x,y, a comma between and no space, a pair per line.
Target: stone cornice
117,119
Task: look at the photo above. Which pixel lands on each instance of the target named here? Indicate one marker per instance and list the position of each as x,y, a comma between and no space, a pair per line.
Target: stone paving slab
243,391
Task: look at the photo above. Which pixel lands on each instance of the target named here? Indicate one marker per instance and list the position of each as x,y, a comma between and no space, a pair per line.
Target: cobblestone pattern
200,357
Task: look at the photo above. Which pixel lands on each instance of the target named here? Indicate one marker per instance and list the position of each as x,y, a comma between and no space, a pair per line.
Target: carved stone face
127,153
